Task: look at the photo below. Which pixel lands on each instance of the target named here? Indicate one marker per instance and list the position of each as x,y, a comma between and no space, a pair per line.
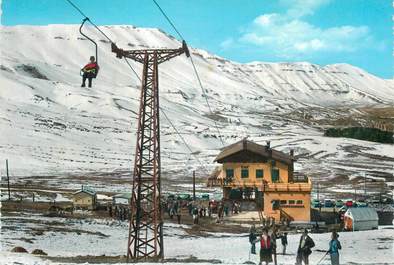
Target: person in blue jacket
334,247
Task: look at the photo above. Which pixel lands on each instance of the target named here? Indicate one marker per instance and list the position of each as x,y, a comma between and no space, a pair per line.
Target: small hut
85,198
361,218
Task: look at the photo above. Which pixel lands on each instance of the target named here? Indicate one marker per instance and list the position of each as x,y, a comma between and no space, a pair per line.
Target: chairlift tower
146,224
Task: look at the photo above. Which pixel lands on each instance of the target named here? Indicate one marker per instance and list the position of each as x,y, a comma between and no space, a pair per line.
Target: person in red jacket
89,71
265,247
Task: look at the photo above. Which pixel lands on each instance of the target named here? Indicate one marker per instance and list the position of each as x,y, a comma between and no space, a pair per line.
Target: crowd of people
268,245
201,209
121,213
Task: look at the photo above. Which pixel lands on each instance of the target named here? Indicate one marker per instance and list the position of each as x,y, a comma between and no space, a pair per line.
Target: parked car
184,197
361,203
328,203
171,196
349,203
205,196
339,203
316,203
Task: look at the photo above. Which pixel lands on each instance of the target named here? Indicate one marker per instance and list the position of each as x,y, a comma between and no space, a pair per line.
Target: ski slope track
50,126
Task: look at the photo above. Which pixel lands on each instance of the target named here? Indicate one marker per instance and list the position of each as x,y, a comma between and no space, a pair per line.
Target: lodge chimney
244,143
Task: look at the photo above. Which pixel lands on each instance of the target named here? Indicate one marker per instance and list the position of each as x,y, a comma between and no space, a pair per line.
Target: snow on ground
53,127
69,237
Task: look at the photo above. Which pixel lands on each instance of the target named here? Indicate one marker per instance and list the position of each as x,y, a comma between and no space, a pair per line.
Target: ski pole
322,258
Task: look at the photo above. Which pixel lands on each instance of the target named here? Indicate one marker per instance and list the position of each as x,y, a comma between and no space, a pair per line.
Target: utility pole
194,185
8,179
146,226
355,194
365,186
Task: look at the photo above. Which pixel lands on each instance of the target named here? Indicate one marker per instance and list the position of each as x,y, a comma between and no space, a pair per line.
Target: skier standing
334,246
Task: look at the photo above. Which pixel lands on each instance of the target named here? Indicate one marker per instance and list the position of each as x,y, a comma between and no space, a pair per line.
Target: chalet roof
261,150
362,213
86,190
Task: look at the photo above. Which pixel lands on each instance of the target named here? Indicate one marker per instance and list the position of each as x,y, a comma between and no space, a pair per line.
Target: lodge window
229,173
299,202
259,173
275,175
283,202
275,204
291,202
244,172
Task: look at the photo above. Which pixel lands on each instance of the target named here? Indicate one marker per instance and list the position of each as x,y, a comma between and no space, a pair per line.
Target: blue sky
358,32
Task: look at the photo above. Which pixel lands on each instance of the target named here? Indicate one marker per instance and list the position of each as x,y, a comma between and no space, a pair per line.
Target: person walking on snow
304,248
90,71
283,239
252,238
195,215
265,248
334,247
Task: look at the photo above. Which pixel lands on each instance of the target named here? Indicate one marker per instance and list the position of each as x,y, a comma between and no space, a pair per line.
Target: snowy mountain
51,126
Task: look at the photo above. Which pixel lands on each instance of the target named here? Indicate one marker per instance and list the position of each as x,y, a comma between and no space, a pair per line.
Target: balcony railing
303,185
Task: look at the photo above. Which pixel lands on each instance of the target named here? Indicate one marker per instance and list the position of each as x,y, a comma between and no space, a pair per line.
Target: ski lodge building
85,198
264,177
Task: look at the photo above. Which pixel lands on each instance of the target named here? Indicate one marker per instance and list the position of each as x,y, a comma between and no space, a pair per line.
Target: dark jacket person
304,248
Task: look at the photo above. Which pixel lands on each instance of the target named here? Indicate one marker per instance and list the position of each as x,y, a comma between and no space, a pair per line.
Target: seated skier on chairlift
89,71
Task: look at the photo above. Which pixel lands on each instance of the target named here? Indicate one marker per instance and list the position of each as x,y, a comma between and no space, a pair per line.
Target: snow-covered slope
50,125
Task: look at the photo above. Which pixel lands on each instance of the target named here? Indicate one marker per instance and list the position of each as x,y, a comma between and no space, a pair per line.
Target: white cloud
300,8
266,19
289,36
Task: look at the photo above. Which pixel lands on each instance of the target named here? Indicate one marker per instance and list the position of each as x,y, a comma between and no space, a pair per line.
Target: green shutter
244,173
259,173
229,173
275,175
275,204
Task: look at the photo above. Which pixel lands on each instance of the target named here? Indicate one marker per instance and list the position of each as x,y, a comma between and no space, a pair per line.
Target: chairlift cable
206,98
87,18
133,70
172,124
169,20
194,68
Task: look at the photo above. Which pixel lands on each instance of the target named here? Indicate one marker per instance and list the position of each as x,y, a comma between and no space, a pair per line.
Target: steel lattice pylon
146,226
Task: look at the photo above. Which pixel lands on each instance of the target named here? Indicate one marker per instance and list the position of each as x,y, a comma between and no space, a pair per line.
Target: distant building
259,174
360,218
122,199
85,198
